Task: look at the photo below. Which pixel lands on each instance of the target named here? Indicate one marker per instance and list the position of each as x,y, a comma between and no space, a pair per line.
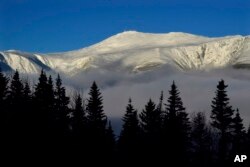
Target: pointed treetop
129,100
162,96
237,112
222,85
42,73
3,86
238,122
96,116
16,75
222,112
150,100
150,119
94,85
27,90
130,128
42,77
159,107
58,81
173,85
174,104
50,81
16,82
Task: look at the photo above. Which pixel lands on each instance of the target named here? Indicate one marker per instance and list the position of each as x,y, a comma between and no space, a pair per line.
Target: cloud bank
197,88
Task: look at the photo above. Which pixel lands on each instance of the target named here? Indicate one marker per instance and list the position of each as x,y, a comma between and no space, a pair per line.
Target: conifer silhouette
222,121
3,104
3,88
97,121
201,141
15,100
177,128
150,120
78,126
129,140
79,120
239,134
41,122
110,141
61,108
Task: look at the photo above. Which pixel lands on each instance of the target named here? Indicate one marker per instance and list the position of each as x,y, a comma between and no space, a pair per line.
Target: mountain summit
133,51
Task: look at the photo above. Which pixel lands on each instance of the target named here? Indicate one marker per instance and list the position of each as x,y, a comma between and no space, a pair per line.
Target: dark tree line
36,122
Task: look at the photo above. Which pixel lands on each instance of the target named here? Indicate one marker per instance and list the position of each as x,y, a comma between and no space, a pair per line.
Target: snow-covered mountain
141,65
133,51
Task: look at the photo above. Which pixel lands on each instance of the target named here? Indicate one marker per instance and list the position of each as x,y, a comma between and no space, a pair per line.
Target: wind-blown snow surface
140,65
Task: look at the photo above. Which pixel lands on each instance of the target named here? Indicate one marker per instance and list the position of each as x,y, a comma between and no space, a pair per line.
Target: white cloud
197,88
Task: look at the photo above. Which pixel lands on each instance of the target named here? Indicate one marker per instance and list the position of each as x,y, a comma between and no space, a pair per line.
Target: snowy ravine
133,52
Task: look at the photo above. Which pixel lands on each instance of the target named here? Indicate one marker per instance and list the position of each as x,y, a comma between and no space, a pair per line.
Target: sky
63,25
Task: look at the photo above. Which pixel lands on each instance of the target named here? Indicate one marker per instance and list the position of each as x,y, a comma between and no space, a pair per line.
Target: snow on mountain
133,51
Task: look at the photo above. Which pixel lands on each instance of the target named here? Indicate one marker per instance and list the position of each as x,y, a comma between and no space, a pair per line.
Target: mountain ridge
134,51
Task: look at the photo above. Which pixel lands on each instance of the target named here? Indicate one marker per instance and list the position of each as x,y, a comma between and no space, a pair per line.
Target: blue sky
62,25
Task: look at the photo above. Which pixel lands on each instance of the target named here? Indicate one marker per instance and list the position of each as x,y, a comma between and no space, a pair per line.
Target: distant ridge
134,51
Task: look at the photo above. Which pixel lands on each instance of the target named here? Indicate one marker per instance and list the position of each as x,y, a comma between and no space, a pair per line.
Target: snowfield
134,52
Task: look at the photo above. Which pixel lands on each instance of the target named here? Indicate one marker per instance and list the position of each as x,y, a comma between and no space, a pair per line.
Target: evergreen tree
41,88
61,99
79,124
16,114
177,128
151,129
16,91
160,110
61,108
96,117
44,97
97,120
27,93
79,119
15,100
130,134
160,105
110,140
43,118
247,143
3,88
201,141
4,116
222,121
40,117
150,120
50,95
238,134
27,103
248,134
3,95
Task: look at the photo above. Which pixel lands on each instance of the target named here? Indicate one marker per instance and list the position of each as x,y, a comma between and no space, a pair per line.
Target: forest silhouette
37,123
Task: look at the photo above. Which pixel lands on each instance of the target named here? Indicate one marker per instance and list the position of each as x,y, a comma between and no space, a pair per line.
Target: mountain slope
133,51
